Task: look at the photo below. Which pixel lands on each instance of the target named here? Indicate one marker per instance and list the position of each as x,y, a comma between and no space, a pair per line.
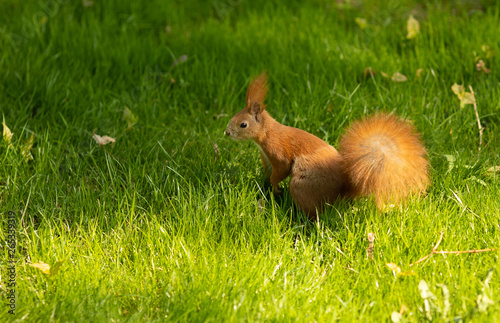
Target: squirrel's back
384,157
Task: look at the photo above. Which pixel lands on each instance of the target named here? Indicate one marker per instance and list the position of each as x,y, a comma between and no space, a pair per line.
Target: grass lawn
171,222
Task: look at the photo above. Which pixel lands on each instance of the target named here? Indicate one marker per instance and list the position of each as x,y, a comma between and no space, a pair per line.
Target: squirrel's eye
243,125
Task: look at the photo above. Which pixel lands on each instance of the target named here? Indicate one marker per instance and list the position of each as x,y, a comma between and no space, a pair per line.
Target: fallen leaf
181,59
395,268
385,75
488,51
369,72
26,149
398,77
413,27
494,169
457,89
43,267
419,72
361,22
130,118
104,140
425,292
451,162
427,296
481,67
47,269
464,97
7,134
396,317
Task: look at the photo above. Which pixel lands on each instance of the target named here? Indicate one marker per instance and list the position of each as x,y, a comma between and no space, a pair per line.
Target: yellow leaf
129,117
487,50
467,98
104,140
43,267
413,27
464,97
457,89
361,22
7,134
46,269
393,267
26,149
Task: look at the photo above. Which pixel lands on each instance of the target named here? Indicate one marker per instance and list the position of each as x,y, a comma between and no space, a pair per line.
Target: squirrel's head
249,122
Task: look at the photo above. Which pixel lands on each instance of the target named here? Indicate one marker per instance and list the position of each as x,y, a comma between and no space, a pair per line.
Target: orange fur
384,157
380,156
257,91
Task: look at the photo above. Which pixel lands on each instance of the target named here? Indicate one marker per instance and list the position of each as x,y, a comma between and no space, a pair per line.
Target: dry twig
444,252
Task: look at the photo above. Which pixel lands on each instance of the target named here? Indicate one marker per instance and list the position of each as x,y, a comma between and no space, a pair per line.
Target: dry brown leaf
494,169
481,67
369,72
419,72
104,140
398,77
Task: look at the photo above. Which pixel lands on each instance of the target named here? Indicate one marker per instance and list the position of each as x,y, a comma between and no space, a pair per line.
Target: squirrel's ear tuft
257,91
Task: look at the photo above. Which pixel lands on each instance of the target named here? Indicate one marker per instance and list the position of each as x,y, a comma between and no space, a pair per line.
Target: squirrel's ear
256,108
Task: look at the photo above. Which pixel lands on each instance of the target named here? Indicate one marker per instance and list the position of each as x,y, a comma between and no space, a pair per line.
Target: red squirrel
381,156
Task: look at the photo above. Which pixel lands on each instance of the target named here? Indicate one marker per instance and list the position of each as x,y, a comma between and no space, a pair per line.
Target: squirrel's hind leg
316,180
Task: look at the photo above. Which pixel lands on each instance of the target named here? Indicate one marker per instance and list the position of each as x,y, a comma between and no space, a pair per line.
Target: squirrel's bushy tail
384,157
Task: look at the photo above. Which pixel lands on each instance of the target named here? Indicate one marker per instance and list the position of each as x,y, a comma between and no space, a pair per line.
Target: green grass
168,223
